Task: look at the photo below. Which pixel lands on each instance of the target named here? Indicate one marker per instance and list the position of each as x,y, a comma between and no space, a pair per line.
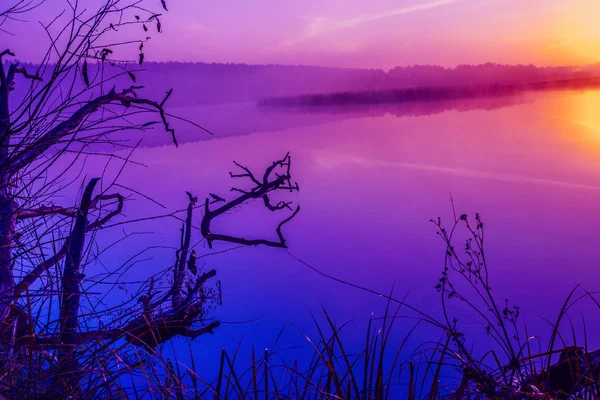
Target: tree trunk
8,219
7,238
71,296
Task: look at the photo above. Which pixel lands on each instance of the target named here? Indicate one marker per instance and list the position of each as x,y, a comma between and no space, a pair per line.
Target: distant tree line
214,83
425,94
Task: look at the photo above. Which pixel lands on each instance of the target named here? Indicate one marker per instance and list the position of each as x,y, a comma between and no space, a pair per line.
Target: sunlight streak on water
578,118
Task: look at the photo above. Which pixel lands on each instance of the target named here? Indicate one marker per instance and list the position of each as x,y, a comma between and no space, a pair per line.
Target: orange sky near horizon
572,34
384,33
364,34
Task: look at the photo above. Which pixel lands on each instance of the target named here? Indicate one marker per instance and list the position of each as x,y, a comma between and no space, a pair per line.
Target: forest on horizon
215,83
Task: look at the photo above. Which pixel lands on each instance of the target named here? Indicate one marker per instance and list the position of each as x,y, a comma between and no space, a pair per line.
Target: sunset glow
375,34
299,199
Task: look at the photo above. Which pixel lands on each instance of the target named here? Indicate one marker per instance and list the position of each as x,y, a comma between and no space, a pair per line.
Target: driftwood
151,327
154,325
277,177
179,312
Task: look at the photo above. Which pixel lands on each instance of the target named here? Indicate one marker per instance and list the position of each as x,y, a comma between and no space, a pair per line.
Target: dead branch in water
276,177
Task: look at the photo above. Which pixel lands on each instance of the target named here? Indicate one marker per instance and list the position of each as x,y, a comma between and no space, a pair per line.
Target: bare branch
179,273
247,174
37,272
27,75
69,126
216,198
271,182
44,266
101,221
47,210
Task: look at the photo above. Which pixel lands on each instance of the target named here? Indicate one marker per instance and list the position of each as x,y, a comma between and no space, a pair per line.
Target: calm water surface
370,181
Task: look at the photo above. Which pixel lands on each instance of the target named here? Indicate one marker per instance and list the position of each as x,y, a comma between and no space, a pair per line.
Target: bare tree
13,10
59,109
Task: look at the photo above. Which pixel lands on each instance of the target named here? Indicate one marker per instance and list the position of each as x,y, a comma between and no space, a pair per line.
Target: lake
370,180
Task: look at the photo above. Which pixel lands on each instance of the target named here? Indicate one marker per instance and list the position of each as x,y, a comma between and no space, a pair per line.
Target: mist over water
370,180
350,199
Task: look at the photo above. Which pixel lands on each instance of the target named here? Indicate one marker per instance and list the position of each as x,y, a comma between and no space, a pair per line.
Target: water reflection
238,119
370,181
578,120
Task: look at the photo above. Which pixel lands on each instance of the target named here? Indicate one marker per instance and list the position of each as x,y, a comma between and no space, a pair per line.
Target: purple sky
374,34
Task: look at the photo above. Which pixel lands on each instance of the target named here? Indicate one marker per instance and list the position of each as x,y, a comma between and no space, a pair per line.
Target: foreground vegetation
61,338
388,365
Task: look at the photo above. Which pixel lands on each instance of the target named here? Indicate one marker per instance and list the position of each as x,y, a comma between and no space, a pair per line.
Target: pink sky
372,34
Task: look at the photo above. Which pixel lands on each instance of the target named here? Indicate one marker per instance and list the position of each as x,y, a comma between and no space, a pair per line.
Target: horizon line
594,64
